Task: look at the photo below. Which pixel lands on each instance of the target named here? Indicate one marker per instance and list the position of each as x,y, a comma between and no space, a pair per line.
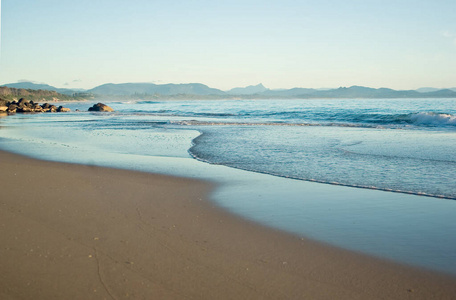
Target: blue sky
224,44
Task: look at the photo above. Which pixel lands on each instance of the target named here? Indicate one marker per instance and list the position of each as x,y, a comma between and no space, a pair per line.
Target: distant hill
201,91
426,90
249,90
37,86
294,92
9,93
445,93
430,89
129,89
365,92
342,92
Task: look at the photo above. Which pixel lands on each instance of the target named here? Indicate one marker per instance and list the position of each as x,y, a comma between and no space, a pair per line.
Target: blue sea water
355,147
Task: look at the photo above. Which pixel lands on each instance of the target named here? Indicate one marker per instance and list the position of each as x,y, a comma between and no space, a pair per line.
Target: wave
428,119
417,119
422,119
434,119
147,102
384,118
216,115
208,123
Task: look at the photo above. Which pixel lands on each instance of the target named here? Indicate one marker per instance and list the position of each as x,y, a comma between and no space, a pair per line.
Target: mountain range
129,89
193,90
249,90
39,86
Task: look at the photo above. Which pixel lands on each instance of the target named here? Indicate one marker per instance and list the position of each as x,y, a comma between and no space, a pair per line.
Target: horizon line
242,87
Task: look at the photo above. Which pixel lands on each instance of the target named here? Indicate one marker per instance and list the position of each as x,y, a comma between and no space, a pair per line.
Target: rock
23,103
24,109
24,106
101,107
12,108
63,109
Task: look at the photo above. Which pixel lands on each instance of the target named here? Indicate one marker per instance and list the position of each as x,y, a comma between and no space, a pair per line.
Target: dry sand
81,232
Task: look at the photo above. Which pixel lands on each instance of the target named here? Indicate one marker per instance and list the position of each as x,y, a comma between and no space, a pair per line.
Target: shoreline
77,231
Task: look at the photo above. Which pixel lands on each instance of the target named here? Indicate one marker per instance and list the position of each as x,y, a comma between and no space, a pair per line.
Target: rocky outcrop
63,109
101,107
12,108
25,106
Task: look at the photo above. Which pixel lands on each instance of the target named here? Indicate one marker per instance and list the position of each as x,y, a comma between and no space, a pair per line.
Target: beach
83,232
227,150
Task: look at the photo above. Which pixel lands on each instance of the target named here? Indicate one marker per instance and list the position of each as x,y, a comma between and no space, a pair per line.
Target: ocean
371,175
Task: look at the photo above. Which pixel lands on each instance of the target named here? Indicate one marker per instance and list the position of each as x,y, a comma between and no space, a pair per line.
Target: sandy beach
83,232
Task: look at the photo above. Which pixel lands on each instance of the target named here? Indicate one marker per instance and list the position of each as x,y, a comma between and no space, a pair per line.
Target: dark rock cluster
100,107
25,106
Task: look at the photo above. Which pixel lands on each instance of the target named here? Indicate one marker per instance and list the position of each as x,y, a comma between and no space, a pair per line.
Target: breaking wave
434,119
300,114
422,119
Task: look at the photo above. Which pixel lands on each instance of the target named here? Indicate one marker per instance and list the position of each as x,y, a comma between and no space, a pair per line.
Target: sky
224,44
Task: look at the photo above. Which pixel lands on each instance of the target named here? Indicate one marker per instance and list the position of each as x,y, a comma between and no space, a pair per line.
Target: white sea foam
436,119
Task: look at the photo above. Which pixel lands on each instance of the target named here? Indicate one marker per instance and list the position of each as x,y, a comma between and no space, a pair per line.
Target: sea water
328,158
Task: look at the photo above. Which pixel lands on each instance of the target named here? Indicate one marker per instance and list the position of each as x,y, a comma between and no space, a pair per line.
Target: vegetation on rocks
14,94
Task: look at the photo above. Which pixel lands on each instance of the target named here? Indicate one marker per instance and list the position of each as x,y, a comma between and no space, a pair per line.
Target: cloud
77,80
447,34
66,84
450,35
27,80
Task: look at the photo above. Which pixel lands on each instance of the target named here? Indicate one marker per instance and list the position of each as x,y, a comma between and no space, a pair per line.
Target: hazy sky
283,44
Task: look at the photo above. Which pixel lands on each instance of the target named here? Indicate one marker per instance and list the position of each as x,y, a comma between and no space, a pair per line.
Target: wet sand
83,232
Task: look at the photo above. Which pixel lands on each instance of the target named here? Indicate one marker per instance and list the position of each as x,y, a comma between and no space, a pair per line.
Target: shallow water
156,137
411,161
